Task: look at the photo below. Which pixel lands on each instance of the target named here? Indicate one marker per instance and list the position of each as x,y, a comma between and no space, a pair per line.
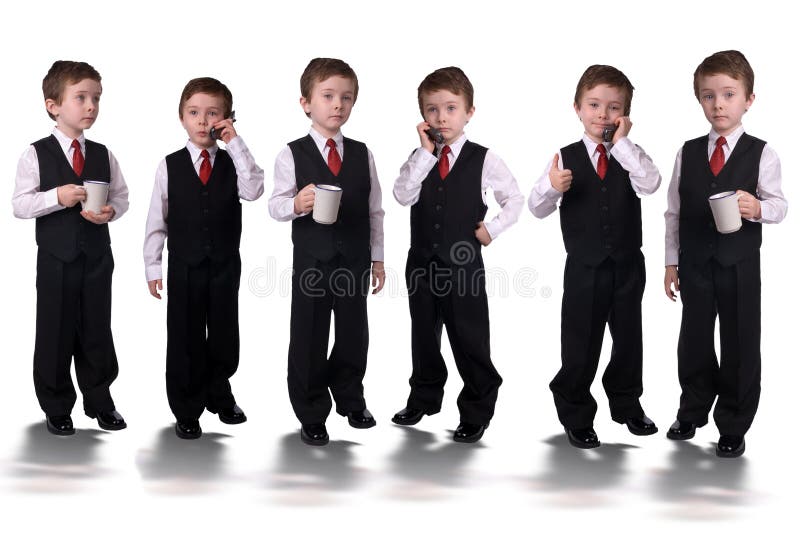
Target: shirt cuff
377,254
153,272
51,199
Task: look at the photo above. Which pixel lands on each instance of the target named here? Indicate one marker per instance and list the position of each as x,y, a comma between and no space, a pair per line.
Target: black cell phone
608,133
215,135
435,135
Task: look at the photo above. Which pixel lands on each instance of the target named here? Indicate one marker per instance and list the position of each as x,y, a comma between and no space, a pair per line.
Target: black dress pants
202,334
733,293
73,319
319,288
453,296
611,293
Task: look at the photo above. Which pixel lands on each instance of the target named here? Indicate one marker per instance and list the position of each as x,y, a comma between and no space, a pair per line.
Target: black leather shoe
641,425
360,419
408,416
469,433
60,425
108,420
681,430
583,438
730,446
314,434
233,415
188,429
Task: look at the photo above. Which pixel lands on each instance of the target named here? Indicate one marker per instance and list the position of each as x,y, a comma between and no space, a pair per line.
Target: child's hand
482,234
561,180
304,200
425,142
671,280
749,205
378,276
155,286
105,215
624,126
225,129
70,195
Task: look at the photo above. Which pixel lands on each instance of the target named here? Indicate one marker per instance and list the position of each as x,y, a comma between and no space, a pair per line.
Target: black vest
444,218
65,233
349,236
699,239
599,218
203,220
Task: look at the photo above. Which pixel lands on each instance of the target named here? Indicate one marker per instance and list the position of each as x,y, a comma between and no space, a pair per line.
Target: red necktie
602,161
334,160
718,157
444,162
205,167
77,158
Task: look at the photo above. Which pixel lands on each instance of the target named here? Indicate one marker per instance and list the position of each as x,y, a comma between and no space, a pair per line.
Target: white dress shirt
281,202
30,202
644,175
250,182
768,191
495,175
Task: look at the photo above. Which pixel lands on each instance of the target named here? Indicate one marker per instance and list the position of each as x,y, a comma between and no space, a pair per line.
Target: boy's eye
192,112
212,113
729,94
594,105
347,98
431,110
451,108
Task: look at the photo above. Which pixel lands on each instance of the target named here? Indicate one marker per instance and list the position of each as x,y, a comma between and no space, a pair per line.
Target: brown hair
63,73
320,69
728,62
210,86
596,75
450,79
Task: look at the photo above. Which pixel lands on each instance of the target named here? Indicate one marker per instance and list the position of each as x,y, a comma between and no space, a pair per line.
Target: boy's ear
305,104
470,112
51,106
750,100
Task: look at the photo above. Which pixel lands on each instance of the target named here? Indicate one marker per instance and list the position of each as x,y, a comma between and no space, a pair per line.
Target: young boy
719,274
599,180
445,182
74,263
331,263
196,205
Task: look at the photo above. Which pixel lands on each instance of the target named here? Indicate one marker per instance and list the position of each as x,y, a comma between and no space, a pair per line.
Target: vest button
205,211
603,189
606,228
439,189
713,184
604,208
438,207
436,226
205,193
607,246
436,246
207,248
339,243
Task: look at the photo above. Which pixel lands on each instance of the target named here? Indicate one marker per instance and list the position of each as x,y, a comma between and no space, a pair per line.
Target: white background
524,62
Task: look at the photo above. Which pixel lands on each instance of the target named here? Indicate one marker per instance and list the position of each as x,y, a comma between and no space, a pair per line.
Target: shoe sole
471,439
637,432
407,422
314,442
111,427
56,431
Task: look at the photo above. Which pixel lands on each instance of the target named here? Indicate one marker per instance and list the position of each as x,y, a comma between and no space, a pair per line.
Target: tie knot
204,154
330,143
446,150
721,141
601,148
76,145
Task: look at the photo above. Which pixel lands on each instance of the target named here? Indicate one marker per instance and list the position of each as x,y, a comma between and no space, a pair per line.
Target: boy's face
446,112
330,104
599,108
200,112
724,101
79,107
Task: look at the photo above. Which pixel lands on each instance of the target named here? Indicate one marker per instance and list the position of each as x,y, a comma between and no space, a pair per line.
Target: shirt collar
731,139
591,145
194,150
66,142
321,140
455,147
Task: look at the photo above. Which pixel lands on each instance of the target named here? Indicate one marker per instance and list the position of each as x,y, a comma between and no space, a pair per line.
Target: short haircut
63,73
320,69
597,75
450,79
210,86
728,62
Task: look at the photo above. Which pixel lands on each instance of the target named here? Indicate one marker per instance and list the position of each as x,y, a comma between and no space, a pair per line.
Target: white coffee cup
96,196
326,203
725,208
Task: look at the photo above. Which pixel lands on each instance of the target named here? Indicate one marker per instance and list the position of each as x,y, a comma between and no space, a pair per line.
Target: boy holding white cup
332,262
719,273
